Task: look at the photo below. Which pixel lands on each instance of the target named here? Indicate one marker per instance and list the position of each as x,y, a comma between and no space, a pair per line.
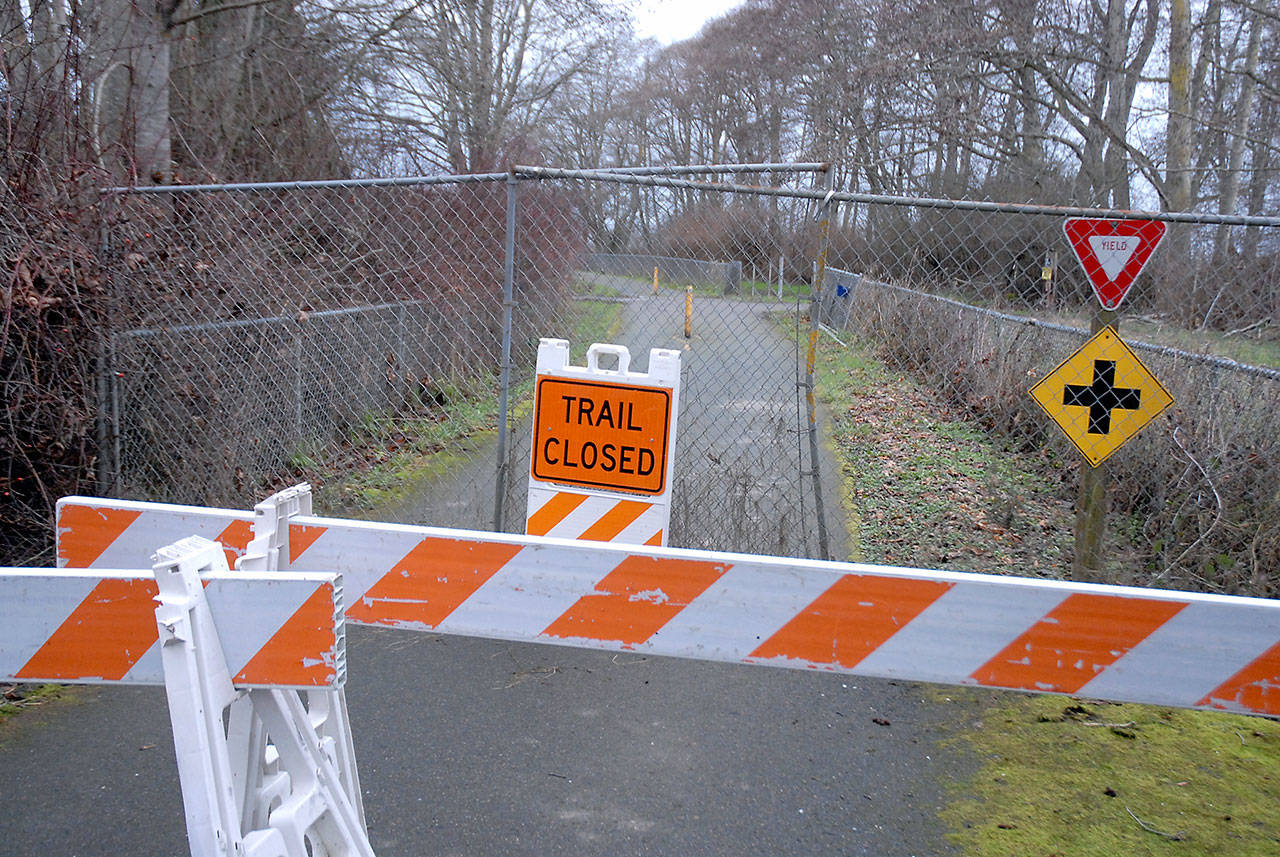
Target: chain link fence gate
680,263
370,335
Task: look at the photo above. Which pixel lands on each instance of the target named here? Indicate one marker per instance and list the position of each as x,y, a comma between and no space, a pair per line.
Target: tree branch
1072,98
205,11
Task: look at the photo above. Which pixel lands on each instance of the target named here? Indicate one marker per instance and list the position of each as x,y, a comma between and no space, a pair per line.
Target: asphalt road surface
477,747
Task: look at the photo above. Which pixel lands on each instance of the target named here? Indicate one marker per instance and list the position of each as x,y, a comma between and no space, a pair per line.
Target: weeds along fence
377,338
980,307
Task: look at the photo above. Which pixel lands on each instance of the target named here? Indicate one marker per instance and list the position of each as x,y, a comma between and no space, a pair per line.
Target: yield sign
1113,252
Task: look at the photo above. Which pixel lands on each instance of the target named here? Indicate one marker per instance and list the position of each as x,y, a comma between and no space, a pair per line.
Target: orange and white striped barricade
603,446
98,625
217,640
1108,642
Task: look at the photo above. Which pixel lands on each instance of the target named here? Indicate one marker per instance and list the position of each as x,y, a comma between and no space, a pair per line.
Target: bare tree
258,89
461,79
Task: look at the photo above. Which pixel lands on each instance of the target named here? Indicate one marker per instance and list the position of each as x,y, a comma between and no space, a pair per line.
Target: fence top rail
606,253
887,199
242,323
329,184
324,184
668,176
714,169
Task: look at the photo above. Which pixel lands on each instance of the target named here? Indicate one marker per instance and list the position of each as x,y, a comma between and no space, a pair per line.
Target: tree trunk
1178,130
1090,185
211,64
1262,159
1230,181
16,55
129,58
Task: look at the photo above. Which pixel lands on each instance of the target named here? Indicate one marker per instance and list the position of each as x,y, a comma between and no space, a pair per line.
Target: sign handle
619,351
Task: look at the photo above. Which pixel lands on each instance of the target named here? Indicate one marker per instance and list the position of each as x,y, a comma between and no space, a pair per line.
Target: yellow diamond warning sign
1101,396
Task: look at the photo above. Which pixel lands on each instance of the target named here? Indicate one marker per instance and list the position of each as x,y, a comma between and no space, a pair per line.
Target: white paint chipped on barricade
1118,643
99,625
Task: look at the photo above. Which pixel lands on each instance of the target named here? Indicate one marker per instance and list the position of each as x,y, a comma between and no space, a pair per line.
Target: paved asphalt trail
478,747
474,747
737,483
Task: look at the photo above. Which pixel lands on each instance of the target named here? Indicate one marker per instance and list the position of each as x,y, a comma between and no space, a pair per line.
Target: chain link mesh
654,254
334,333
977,306
352,334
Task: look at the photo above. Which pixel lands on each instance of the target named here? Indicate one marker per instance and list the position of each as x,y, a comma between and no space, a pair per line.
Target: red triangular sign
1113,252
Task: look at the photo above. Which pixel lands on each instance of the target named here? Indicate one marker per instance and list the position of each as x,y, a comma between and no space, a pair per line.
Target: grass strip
925,487
1054,775
1093,779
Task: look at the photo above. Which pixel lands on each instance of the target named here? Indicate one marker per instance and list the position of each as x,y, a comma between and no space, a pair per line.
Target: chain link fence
265,334
378,338
742,449
976,305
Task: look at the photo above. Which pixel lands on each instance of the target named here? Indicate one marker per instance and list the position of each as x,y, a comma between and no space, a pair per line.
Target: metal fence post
402,353
299,353
508,305
105,468
811,405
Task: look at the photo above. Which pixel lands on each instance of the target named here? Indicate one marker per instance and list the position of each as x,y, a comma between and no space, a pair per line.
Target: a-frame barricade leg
258,778
269,551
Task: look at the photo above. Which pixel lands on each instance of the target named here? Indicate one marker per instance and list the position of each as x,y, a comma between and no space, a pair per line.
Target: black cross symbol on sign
1102,396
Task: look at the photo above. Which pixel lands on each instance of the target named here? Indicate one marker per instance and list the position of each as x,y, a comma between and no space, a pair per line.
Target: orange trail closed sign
603,451
597,434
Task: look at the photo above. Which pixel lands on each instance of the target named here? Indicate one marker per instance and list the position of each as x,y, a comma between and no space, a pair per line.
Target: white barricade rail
1108,642
99,625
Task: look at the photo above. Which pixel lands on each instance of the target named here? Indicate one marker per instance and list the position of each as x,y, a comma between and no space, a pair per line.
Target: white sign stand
604,446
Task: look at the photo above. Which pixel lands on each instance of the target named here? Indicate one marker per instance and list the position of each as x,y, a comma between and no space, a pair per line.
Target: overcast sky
674,20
